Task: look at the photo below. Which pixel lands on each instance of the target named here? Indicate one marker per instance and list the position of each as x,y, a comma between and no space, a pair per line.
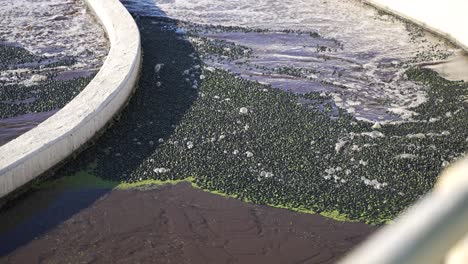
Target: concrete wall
43,147
447,18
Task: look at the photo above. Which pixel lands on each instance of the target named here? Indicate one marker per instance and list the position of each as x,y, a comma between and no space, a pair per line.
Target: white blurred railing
427,232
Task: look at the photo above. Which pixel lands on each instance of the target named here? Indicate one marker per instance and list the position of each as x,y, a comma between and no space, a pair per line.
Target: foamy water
55,30
42,41
359,59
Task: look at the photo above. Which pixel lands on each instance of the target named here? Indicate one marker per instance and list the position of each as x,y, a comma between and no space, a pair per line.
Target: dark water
10,128
171,224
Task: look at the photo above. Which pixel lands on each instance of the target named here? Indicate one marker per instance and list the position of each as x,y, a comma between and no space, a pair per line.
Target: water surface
344,48
44,46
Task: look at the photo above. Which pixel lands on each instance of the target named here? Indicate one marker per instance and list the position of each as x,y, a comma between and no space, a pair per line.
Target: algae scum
42,92
239,137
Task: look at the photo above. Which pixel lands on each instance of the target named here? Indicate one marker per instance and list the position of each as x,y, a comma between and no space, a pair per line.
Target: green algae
10,56
86,180
45,96
249,141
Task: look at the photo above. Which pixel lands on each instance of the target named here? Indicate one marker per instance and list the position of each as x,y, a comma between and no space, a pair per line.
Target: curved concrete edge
447,19
45,146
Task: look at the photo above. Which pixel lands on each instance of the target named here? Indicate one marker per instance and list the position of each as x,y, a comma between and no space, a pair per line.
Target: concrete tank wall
448,18
37,151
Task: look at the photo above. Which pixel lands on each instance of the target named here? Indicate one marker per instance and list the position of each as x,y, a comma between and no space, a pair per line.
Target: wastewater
322,107
46,48
345,49
263,112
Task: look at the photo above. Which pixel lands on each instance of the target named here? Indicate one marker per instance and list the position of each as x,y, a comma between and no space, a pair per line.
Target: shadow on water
162,100
55,210
158,105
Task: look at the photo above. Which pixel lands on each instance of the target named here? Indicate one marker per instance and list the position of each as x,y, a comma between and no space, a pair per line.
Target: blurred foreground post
428,232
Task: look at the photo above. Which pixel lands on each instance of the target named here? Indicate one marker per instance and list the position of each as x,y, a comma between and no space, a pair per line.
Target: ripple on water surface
49,51
349,50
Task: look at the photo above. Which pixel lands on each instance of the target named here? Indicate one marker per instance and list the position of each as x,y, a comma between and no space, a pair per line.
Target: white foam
55,29
374,183
339,145
406,156
419,135
371,66
373,134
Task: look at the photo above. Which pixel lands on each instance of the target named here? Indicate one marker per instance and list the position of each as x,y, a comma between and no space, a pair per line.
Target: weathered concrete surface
38,150
445,18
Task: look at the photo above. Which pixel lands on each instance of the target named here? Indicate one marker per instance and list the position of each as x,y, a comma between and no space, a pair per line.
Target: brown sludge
180,224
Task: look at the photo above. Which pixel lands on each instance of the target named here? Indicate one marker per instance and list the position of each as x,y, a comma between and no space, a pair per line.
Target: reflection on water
344,48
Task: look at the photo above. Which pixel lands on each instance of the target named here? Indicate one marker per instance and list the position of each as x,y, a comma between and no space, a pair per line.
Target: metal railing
428,231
